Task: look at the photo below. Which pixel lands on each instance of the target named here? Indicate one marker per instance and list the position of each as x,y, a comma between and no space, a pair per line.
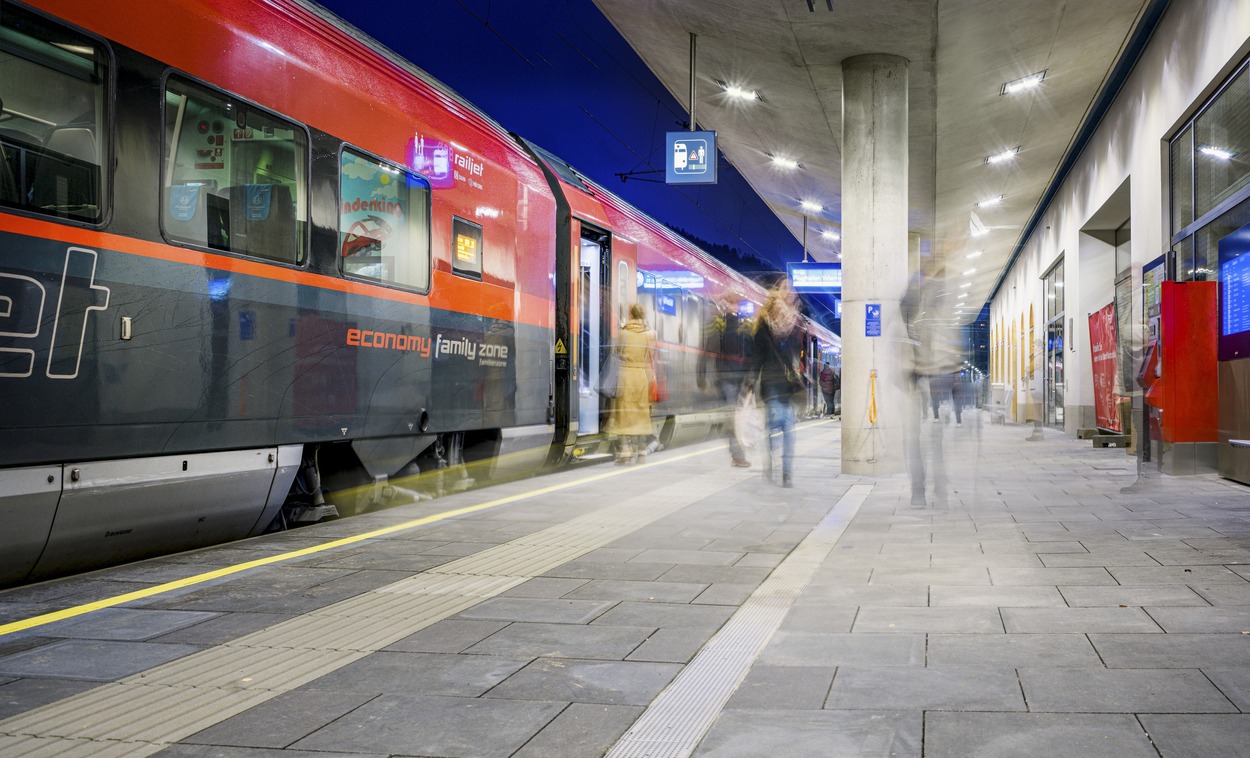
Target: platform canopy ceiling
961,53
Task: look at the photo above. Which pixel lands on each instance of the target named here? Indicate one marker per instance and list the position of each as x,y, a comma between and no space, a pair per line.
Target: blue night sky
557,73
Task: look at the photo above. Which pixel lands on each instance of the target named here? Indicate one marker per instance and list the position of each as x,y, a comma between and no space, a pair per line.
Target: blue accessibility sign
690,158
872,320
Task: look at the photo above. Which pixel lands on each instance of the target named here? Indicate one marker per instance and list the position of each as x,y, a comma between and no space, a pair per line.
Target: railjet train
255,269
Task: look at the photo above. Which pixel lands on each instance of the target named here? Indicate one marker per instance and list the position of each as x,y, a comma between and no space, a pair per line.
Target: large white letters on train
22,302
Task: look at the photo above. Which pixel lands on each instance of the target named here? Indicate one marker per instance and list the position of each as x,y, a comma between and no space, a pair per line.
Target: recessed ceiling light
965,285
738,92
785,163
829,235
990,201
1221,153
1023,83
970,272
961,297
1005,155
811,207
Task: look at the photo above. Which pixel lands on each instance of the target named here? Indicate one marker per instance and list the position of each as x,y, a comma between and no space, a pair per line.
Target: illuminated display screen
1236,305
1235,295
669,280
466,248
815,277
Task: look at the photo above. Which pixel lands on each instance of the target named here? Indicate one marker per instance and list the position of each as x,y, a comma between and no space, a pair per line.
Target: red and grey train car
247,254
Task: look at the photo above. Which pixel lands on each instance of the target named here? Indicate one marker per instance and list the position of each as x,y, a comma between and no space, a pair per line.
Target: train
256,270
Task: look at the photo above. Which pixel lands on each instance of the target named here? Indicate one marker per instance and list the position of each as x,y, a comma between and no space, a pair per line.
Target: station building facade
1125,312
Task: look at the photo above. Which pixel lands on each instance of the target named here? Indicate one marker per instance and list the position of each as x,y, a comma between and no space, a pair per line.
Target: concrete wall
1197,44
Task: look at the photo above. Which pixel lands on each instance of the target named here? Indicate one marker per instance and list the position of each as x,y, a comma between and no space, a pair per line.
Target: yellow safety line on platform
79,610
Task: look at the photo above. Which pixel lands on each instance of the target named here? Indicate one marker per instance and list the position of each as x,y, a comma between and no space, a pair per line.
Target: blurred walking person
631,407
828,386
935,357
722,366
775,365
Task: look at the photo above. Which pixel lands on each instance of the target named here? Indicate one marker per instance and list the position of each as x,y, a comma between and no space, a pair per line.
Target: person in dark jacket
723,364
775,366
828,380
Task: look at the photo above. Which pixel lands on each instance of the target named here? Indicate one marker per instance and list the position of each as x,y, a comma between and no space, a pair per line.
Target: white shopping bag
748,421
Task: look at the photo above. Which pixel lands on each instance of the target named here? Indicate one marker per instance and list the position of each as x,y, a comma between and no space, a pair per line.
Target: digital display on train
466,248
671,279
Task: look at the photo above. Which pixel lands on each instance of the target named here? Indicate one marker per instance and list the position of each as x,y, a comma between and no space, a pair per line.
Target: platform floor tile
448,727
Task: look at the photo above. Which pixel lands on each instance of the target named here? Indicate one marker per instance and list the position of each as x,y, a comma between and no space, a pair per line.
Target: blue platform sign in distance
872,320
666,304
815,277
690,158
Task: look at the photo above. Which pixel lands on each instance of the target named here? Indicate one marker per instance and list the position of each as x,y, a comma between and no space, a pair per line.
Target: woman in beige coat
631,410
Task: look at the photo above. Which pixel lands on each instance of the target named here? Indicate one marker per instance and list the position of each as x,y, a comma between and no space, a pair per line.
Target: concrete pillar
913,252
875,248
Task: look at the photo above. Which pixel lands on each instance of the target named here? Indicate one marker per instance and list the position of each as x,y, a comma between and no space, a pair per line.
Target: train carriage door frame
594,306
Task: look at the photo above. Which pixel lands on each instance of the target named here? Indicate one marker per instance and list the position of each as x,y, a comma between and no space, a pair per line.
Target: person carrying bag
609,373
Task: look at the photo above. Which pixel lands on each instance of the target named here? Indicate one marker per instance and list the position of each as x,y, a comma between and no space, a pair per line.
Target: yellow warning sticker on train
560,350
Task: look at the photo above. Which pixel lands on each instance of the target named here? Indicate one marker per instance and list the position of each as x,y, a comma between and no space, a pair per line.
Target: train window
667,304
233,176
53,95
692,313
466,253
384,222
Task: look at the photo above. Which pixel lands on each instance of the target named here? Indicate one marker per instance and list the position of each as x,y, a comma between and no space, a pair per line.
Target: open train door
591,301
595,328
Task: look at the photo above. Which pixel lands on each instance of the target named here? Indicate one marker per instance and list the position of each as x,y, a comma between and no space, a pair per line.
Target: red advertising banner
1102,346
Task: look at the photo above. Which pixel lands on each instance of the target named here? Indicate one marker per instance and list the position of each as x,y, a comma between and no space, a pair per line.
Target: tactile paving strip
144,713
676,721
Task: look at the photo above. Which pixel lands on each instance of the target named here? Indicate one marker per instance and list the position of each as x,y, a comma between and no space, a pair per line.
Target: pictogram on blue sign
872,320
690,158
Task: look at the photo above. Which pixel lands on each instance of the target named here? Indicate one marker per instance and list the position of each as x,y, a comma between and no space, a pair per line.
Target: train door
594,333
